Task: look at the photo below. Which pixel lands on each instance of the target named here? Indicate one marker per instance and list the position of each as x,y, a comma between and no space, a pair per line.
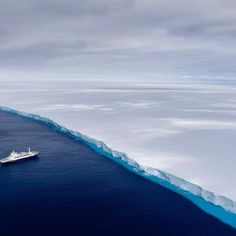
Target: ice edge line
219,206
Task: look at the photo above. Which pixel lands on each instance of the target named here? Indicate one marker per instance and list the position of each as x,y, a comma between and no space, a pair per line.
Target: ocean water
71,190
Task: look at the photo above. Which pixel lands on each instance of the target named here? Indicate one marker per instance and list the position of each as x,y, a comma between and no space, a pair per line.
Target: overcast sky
138,39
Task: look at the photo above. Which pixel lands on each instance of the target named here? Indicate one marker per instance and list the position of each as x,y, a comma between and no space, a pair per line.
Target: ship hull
22,158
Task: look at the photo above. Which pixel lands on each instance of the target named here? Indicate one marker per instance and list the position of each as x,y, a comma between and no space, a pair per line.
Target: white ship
16,156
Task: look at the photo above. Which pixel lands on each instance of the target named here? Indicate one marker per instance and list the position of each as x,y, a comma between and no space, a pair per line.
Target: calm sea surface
71,190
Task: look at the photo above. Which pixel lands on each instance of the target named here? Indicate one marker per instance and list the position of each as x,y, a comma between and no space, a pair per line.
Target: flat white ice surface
186,130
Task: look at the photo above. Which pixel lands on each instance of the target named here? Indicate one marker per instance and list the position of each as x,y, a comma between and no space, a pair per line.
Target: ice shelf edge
219,206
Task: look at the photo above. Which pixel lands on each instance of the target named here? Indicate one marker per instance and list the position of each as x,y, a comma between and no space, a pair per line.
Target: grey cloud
128,36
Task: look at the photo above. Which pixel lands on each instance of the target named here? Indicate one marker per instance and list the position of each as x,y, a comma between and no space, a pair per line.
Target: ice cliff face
221,207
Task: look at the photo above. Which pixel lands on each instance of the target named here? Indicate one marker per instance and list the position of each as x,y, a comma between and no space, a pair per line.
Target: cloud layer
120,37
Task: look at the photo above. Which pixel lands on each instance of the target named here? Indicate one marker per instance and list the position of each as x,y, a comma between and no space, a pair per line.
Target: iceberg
221,207
181,136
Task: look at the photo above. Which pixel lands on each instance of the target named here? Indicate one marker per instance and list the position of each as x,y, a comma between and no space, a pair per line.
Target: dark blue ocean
71,190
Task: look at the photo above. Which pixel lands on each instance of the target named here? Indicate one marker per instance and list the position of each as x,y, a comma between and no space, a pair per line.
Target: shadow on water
71,190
